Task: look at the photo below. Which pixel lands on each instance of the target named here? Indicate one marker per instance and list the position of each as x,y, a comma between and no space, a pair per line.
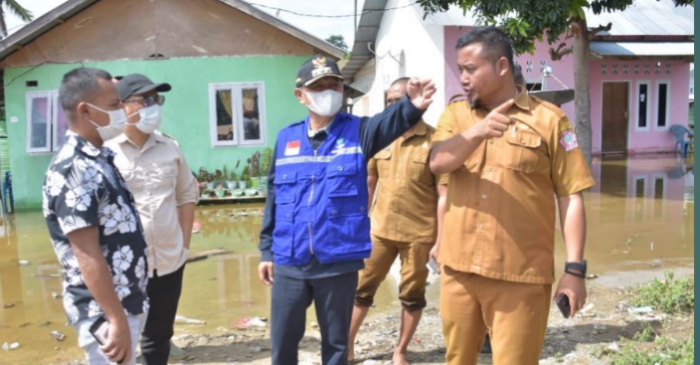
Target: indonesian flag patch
568,140
293,148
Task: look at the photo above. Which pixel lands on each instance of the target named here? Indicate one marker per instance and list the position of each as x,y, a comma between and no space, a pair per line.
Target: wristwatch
577,269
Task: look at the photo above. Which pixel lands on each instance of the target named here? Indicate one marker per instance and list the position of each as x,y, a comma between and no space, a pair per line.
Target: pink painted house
639,70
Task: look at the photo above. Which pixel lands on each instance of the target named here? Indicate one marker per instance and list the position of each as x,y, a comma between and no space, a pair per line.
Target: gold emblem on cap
319,62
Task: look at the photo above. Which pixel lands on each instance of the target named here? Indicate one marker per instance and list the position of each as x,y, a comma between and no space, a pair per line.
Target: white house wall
406,47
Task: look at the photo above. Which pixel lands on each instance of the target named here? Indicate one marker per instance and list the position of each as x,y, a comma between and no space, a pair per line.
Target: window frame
648,111
668,105
54,125
30,96
237,109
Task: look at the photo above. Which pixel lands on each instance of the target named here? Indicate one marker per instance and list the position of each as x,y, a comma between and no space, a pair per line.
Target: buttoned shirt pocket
521,152
346,222
285,187
340,174
165,177
383,159
283,236
419,168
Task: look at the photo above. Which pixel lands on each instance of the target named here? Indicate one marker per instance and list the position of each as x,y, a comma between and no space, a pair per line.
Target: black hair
400,80
78,85
518,76
496,43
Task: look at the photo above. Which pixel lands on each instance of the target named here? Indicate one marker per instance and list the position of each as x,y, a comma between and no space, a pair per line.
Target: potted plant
265,162
254,169
218,179
245,176
205,178
233,178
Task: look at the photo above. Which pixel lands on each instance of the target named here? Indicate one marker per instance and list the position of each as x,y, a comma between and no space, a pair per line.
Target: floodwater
640,215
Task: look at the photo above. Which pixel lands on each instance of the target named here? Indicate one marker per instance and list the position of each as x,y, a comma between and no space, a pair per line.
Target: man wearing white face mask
315,232
93,224
166,194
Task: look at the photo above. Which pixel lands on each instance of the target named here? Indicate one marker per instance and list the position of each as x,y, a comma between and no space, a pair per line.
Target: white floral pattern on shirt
82,189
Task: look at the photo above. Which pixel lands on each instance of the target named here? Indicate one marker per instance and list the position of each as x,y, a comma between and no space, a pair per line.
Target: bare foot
400,359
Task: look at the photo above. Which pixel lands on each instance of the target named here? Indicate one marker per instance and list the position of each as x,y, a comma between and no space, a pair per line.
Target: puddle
640,218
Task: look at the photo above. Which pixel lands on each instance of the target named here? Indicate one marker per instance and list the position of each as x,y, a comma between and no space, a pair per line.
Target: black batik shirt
84,189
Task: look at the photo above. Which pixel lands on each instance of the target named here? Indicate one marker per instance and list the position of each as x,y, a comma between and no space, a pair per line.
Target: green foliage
664,351
645,335
338,41
672,295
15,8
265,162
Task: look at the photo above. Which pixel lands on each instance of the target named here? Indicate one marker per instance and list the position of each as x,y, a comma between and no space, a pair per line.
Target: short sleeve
372,167
74,193
570,171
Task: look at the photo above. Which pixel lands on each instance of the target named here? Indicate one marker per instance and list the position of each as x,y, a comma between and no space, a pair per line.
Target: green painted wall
186,111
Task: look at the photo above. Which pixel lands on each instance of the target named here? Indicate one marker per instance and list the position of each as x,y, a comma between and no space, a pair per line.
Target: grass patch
665,351
671,295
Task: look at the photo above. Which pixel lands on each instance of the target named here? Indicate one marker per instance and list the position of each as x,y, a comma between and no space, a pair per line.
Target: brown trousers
414,272
515,315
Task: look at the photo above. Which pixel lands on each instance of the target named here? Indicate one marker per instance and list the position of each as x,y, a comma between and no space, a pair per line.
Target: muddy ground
606,319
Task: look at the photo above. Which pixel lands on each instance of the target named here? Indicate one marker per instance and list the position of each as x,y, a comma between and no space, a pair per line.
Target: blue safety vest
321,196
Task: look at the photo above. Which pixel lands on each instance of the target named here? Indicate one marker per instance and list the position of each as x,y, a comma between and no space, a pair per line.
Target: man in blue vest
315,232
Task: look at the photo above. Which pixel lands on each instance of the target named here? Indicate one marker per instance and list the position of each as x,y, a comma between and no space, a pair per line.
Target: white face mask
151,117
325,103
117,120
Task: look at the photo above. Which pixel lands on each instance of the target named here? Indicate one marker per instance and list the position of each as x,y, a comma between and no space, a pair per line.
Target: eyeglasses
148,100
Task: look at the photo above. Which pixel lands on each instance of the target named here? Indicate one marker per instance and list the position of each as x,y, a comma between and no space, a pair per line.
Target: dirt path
574,341
605,321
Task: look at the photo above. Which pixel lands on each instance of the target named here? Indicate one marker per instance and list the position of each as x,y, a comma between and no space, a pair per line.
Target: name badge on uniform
293,148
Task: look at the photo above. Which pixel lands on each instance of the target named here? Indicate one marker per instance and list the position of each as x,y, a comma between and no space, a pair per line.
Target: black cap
136,84
317,68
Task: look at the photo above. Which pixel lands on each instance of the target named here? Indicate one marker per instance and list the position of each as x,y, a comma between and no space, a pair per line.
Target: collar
419,129
86,148
522,100
152,139
312,133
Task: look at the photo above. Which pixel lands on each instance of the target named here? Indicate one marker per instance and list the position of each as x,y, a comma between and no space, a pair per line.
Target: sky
320,27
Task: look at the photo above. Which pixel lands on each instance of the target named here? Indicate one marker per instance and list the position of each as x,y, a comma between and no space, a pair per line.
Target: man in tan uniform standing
508,155
404,225
166,193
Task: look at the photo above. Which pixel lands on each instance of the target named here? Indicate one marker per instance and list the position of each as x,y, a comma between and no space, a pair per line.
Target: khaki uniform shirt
500,214
405,208
161,181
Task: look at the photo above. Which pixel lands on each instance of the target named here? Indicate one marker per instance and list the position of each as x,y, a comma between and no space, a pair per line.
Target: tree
528,21
15,8
338,41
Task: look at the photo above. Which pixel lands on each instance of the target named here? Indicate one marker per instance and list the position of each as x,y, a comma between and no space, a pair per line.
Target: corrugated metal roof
69,8
647,17
643,49
367,29
643,17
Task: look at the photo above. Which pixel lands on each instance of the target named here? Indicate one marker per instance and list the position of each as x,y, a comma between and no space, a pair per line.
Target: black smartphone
564,305
100,330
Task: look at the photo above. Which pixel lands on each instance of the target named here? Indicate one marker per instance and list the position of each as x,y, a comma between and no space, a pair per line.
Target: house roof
647,18
642,18
367,29
60,14
643,49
